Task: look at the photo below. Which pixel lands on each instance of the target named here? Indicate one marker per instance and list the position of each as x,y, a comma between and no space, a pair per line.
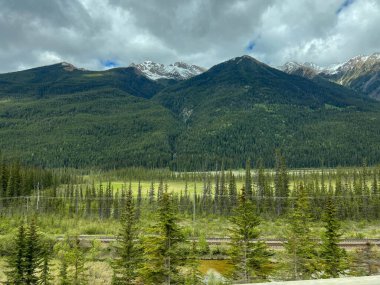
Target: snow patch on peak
355,63
70,67
290,66
177,70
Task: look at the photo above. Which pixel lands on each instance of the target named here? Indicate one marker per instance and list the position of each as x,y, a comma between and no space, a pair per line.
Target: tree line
163,254
354,191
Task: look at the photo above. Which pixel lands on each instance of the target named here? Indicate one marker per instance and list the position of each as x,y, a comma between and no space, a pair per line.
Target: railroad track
272,243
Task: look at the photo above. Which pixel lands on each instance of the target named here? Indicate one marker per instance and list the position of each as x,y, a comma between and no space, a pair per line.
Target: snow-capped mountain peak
177,70
361,73
70,67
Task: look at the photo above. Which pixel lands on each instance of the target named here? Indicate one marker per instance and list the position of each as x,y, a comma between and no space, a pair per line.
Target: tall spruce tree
300,247
281,184
333,257
72,261
251,260
33,253
232,192
151,193
46,277
139,200
27,255
248,180
129,254
162,255
16,274
77,260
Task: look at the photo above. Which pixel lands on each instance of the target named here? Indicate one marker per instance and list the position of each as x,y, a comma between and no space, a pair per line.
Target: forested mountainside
60,115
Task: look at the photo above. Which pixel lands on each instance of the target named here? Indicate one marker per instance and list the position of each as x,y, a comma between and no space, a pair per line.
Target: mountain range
361,73
185,117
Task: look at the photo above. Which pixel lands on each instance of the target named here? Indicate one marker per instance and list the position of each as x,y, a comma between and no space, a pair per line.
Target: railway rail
272,243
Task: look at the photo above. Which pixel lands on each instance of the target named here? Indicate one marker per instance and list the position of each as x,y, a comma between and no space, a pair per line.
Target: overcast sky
99,34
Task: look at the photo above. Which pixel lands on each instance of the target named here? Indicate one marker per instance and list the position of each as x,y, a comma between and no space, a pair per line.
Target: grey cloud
203,32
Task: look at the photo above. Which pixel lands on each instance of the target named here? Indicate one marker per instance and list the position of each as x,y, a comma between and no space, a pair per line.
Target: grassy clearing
211,226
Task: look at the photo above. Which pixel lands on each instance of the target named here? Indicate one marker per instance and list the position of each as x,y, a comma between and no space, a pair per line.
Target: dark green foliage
151,193
63,276
334,258
129,253
243,108
162,254
26,258
302,252
232,192
281,184
248,180
33,253
58,79
238,109
18,180
77,260
72,261
17,258
251,260
193,276
46,277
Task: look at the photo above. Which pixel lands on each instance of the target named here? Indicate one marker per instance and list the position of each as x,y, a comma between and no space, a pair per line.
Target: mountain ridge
361,73
176,71
240,108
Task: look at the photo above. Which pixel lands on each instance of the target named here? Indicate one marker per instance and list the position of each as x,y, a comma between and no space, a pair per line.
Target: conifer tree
248,180
193,276
14,181
251,260
333,257
160,189
116,210
375,201
72,257
260,179
139,200
88,202
129,254
300,247
101,203
232,191
16,261
77,260
33,253
46,277
216,194
151,193
223,201
162,257
281,184
63,276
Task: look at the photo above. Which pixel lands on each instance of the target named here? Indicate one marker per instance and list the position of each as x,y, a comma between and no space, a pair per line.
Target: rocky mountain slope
361,73
176,71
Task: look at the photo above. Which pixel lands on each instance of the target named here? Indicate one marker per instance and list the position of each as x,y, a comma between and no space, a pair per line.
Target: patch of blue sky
344,6
109,63
251,45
